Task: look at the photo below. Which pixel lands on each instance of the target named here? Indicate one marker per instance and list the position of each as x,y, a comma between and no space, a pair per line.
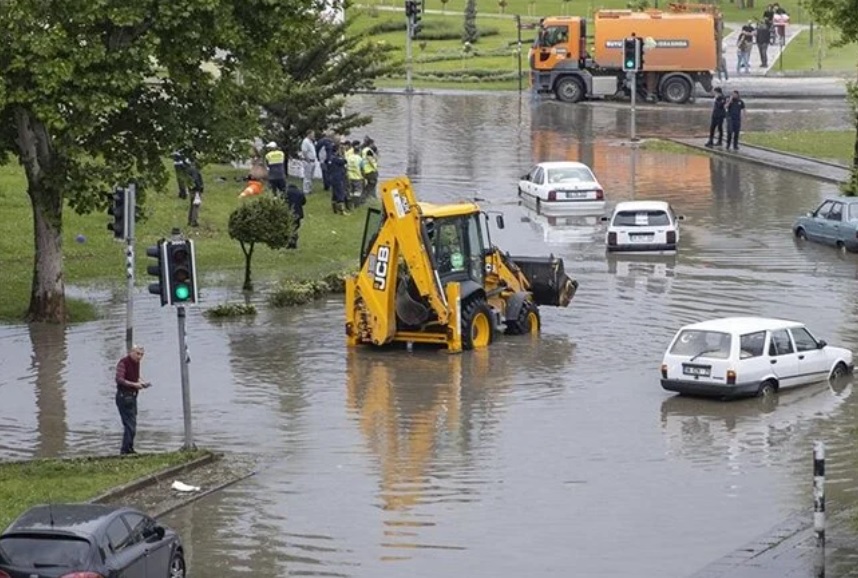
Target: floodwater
559,455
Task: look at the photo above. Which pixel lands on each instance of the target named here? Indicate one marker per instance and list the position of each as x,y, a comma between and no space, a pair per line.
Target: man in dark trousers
296,200
181,175
195,187
325,152
717,123
764,38
735,115
128,385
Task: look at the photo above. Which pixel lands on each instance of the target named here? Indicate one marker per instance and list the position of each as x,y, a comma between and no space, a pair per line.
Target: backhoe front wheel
476,324
527,322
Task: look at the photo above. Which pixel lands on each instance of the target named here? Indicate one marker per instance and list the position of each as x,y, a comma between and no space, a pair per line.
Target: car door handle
773,361
801,356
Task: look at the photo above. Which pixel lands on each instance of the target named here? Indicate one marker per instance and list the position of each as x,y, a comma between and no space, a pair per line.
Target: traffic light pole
186,386
130,204
408,61
633,83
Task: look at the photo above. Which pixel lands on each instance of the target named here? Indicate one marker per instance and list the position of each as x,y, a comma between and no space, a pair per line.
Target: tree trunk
47,295
248,255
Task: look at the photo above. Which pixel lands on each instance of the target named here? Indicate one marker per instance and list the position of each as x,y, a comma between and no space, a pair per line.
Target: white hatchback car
747,356
561,187
643,226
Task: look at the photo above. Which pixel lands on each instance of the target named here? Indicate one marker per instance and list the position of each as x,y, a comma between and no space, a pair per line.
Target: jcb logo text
382,267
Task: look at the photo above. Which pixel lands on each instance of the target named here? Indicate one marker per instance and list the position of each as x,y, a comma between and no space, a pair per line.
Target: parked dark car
834,222
89,541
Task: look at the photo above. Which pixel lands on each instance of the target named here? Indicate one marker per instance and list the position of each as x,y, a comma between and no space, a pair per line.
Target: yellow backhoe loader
429,274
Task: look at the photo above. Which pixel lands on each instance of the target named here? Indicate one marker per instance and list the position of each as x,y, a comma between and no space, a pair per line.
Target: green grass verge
26,484
834,145
439,61
328,243
799,55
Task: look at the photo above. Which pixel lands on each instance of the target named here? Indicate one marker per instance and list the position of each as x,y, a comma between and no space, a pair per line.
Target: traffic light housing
181,272
118,210
158,252
417,16
410,6
632,54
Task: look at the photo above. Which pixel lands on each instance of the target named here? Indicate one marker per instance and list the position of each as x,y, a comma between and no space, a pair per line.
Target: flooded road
546,457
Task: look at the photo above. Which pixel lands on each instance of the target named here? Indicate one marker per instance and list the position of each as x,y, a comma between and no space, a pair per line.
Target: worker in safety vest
275,160
354,174
370,169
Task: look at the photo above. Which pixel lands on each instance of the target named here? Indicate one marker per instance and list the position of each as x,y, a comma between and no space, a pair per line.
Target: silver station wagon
834,222
748,356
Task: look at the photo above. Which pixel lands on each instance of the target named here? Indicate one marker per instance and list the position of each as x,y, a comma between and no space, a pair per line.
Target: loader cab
457,247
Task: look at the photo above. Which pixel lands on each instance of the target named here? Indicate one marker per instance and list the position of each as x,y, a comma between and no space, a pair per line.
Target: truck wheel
676,90
569,89
527,321
476,324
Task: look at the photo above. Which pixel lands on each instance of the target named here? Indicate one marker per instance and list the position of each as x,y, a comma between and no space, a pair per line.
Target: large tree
97,92
331,64
842,16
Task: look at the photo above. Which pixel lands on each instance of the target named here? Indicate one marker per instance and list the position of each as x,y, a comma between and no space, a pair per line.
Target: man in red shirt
128,384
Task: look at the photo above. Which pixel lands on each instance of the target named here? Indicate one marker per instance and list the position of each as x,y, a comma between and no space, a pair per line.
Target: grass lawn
493,62
26,484
837,145
800,56
328,243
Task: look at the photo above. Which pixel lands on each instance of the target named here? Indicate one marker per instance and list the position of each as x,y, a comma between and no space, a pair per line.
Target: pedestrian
325,152
719,112
735,115
195,188
722,69
743,52
354,173
128,385
308,155
337,176
296,201
275,161
181,175
769,15
370,168
764,38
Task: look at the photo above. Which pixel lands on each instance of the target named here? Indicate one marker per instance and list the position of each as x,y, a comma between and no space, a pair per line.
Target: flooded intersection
559,455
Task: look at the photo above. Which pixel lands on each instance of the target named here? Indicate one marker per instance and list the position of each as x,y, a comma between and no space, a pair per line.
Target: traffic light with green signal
632,54
181,272
118,210
158,252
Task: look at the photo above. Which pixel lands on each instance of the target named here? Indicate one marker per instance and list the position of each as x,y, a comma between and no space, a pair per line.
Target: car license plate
576,195
641,236
697,370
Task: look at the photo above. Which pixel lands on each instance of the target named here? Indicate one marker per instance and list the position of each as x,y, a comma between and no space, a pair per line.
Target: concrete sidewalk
789,551
731,51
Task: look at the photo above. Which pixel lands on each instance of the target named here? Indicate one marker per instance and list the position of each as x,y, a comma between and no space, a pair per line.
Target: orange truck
681,49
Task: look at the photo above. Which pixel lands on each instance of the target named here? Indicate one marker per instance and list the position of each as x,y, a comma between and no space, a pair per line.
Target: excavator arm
402,238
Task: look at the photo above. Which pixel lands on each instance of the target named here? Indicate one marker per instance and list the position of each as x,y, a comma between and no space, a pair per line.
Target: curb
152,479
798,156
193,498
765,163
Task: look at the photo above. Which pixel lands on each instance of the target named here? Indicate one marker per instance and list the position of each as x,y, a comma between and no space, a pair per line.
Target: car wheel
841,247
801,234
838,371
177,566
767,388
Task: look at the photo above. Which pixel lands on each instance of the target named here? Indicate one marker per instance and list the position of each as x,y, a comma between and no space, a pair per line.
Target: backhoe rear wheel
527,321
476,324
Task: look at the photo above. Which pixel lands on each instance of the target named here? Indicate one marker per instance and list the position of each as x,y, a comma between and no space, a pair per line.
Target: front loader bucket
548,280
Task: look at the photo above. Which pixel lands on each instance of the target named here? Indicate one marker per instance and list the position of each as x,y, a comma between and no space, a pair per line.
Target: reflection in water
651,273
48,363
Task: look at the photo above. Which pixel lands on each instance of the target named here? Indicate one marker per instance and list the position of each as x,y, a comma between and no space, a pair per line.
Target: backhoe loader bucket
548,280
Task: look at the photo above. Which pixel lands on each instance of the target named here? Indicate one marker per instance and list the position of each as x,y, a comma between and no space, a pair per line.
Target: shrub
230,310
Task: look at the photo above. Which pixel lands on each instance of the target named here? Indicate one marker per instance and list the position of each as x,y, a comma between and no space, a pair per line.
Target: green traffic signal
182,292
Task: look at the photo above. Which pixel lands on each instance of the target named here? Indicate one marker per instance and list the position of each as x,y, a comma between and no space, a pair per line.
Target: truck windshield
553,35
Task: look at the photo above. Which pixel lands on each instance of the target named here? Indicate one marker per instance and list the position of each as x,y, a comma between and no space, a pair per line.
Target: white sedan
562,187
643,227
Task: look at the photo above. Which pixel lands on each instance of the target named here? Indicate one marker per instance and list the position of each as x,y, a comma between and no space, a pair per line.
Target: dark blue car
91,541
834,222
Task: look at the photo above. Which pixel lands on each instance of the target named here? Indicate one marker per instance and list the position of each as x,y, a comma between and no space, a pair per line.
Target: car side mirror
680,217
499,221
525,177
603,219
821,343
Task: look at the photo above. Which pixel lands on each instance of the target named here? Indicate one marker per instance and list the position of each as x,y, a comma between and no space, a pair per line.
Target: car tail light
600,194
731,377
82,575
664,370
552,195
612,238
671,237
4,575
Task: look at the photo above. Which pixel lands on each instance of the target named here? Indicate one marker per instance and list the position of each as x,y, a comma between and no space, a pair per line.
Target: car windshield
570,175
853,212
641,219
695,343
44,551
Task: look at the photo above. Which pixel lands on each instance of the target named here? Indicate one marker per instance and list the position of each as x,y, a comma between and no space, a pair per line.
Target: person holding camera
128,385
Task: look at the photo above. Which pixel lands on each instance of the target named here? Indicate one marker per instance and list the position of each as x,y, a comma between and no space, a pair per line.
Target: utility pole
130,216
633,82
410,7
518,30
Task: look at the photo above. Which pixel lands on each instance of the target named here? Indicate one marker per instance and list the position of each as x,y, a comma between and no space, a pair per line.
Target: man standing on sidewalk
764,38
308,155
128,385
735,115
717,123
